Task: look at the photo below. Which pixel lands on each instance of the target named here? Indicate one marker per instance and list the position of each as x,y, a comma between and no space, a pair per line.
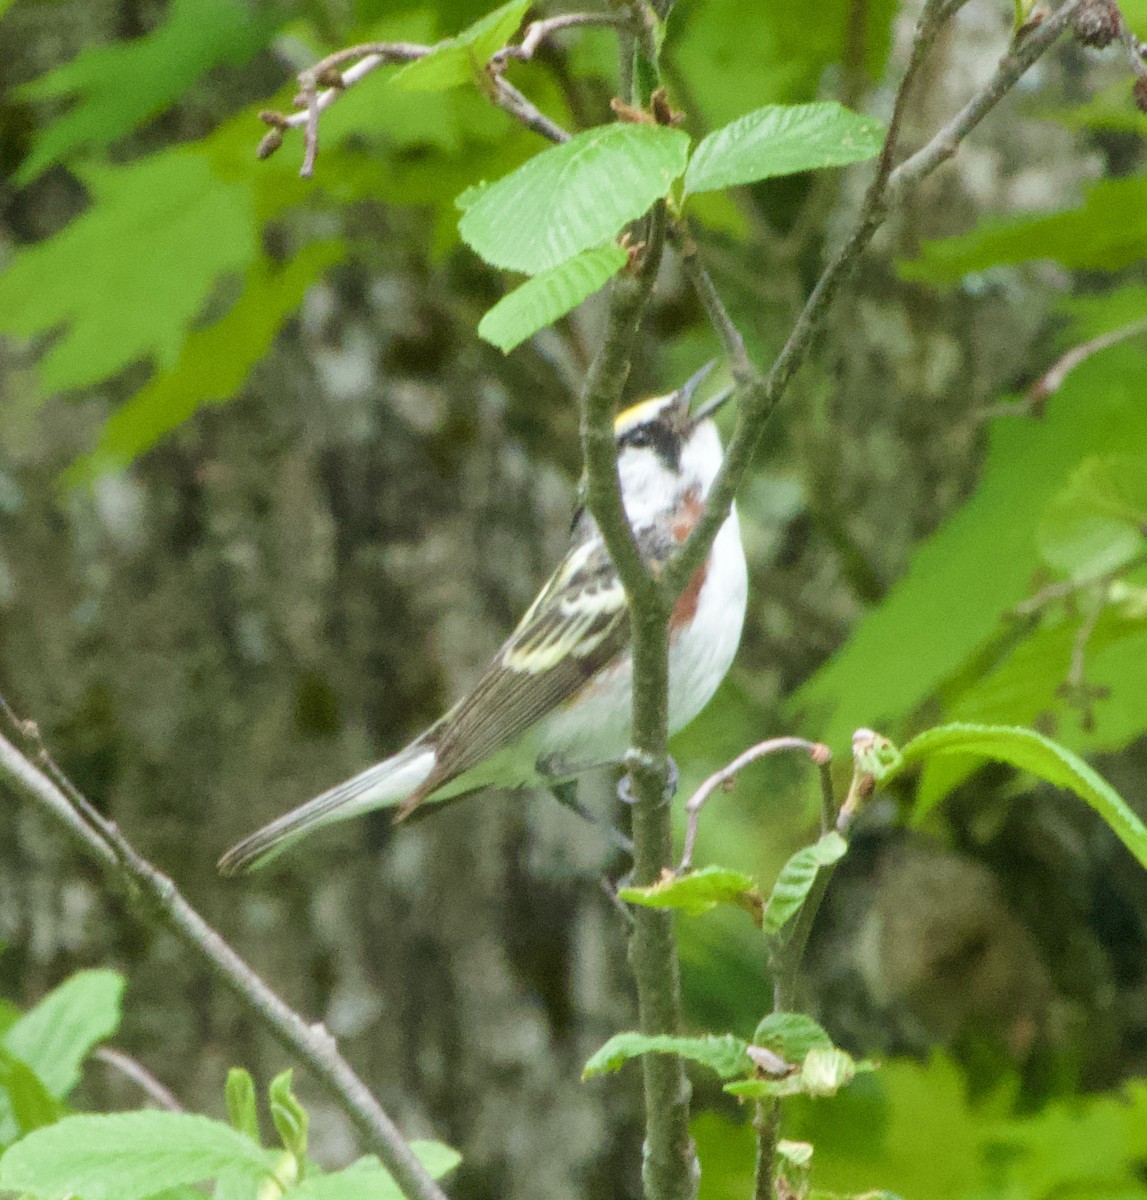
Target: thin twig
133,1069
759,397
101,839
538,31
817,752
323,83
1065,588
1052,379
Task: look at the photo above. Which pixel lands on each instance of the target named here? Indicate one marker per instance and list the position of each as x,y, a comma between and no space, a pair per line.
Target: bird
555,700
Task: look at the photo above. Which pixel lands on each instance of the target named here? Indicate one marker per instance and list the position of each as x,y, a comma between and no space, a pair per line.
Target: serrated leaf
291,1119
797,877
156,238
541,300
213,363
573,197
55,1036
458,60
791,1035
125,1156
727,1055
1031,751
368,1179
1098,522
699,891
118,87
242,1110
781,139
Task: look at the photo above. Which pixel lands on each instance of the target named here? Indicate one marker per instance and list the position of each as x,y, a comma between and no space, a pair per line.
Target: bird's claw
625,784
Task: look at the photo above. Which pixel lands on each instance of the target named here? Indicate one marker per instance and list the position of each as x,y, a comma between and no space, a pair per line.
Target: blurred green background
267,505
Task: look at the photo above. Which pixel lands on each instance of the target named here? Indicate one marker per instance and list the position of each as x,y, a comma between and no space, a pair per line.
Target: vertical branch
670,1167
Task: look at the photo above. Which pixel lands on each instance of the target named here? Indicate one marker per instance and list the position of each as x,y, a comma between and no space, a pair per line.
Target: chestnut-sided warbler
556,699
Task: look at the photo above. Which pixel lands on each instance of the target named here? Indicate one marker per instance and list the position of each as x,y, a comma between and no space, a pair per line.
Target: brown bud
1096,23
332,77
275,119
1139,91
272,140
663,112
629,114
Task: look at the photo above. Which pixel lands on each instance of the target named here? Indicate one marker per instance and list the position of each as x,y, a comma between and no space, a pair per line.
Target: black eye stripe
663,440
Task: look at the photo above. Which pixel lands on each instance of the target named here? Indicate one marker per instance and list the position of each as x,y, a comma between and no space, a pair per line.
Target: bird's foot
633,759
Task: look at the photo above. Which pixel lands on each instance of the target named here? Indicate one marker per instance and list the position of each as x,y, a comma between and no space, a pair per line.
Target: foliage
911,1128
194,216
46,1152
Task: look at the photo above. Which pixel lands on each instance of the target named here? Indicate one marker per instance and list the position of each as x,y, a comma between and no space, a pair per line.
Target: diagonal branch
760,393
321,84
150,889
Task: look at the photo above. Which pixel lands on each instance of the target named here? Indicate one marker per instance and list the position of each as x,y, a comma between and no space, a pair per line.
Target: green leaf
290,1117
699,891
797,877
460,59
573,197
824,1072
1106,233
156,238
118,87
1025,688
541,300
934,622
781,139
1031,751
367,1179
125,1156
791,1035
9,1015
241,1107
54,1037
213,364
1098,523
25,1103
727,1055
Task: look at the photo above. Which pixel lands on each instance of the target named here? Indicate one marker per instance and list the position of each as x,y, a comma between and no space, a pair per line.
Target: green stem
767,1124
670,1169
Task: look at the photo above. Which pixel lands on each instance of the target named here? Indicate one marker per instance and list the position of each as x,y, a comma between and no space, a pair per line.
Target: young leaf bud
1096,23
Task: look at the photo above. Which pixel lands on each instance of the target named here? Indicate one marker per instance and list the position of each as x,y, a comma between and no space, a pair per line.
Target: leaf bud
1096,23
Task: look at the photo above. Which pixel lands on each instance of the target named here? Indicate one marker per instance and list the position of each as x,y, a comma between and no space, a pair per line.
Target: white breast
702,653
593,727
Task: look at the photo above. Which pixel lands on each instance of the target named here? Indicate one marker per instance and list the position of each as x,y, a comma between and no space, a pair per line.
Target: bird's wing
578,624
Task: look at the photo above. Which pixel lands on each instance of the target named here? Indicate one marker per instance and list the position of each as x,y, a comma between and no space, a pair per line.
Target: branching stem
151,889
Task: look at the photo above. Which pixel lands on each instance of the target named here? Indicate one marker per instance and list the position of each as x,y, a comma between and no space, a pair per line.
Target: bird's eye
640,437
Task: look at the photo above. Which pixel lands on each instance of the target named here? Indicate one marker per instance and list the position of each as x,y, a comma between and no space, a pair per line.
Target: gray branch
149,889
759,393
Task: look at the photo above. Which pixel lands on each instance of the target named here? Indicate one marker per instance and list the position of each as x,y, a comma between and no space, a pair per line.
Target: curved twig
817,751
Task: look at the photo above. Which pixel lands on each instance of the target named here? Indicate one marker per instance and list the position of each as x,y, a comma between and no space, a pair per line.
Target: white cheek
701,457
645,483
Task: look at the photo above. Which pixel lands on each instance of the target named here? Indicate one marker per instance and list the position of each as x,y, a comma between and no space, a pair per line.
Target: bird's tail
387,783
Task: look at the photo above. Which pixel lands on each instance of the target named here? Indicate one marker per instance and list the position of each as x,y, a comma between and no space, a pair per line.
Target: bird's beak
684,396
713,404
689,387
